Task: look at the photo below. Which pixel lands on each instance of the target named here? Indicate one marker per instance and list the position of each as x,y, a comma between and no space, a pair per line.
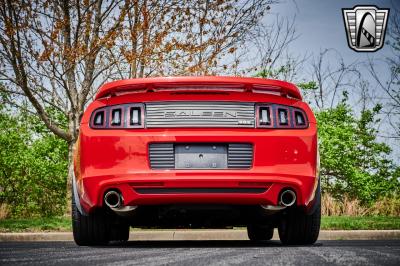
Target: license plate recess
201,156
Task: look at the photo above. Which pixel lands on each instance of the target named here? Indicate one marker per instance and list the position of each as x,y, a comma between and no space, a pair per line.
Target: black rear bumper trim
199,190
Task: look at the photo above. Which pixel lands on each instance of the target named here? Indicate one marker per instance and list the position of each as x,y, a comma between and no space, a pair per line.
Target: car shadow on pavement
199,244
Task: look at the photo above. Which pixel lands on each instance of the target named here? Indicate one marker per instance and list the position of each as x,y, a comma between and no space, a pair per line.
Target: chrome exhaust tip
288,198
113,199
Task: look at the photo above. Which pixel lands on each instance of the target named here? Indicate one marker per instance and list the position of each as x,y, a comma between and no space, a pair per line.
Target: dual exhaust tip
114,200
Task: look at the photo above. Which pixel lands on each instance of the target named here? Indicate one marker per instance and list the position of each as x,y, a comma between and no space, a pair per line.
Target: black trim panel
198,190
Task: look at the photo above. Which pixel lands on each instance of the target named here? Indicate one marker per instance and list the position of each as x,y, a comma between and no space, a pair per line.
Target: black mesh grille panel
240,155
162,155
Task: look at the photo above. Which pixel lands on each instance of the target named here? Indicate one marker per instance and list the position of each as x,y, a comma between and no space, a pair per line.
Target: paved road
377,252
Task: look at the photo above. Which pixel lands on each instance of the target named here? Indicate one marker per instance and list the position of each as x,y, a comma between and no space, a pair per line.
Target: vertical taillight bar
283,117
98,118
131,116
116,116
263,114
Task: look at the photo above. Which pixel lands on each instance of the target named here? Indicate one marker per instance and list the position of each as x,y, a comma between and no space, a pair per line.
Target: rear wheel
119,232
91,229
298,227
260,233
97,228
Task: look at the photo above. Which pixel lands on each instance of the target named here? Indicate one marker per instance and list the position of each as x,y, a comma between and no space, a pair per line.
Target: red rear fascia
118,158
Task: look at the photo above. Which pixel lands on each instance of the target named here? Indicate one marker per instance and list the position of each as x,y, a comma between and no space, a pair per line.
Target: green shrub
353,162
33,165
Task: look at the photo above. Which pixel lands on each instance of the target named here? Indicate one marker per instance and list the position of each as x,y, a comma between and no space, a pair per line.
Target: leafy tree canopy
353,162
33,165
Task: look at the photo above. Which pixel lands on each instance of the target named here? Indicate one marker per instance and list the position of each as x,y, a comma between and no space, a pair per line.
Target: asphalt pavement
228,252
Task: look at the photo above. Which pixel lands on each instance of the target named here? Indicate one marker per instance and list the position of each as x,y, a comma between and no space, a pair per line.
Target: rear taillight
118,116
135,114
283,115
280,116
299,118
265,116
99,118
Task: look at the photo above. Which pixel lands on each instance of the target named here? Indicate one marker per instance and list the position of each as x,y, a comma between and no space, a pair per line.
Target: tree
271,43
328,80
51,53
353,162
184,37
57,53
33,164
388,77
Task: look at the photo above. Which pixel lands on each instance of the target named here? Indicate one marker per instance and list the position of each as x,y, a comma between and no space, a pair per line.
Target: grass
36,224
360,222
328,223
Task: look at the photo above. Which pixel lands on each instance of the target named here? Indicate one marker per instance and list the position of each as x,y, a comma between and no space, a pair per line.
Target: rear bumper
257,188
118,159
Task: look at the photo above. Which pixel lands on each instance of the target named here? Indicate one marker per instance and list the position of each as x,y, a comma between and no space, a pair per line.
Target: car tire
260,233
299,228
89,230
119,233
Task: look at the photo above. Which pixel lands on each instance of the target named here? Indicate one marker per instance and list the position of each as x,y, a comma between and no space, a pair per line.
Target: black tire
260,233
300,228
119,232
89,230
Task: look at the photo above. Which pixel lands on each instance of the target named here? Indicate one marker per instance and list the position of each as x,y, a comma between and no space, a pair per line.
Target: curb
228,234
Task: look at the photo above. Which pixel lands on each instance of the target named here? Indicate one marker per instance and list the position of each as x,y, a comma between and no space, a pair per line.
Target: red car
197,152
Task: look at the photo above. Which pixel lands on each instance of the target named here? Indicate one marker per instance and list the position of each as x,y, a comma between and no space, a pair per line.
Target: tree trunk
73,130
71,149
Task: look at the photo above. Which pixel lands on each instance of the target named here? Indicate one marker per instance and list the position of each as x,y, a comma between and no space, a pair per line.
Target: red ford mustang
197,152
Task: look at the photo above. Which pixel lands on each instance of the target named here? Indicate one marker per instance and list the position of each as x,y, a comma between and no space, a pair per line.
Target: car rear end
182,151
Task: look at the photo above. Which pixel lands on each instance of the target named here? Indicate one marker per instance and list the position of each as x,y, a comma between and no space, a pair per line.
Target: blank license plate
201,156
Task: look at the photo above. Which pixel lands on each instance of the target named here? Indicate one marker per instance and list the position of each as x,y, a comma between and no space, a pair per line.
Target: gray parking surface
372,252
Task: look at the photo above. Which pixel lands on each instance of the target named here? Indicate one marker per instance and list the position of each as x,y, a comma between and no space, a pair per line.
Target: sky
319,25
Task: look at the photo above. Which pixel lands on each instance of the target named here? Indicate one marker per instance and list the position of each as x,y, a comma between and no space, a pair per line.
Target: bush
353,163
33,165
387,206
